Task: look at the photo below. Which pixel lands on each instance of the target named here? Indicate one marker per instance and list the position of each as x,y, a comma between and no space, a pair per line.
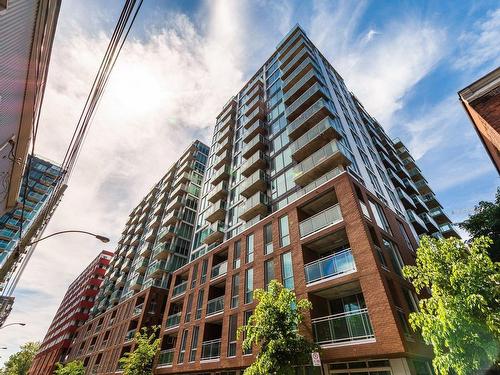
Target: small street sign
315,359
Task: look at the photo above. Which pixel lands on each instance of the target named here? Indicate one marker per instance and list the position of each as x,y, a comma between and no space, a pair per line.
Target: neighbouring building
27,29
25,223
155,241
481,101
303,186
71,314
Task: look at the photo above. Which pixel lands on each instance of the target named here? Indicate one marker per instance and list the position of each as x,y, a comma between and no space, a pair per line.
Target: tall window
194,343
237,255
287,270
250,248
380,218
231,346
194,276
268,239
284,231
189,306
180,359
199,305
246,317
204,268
397,261
235,290
249,285
268,272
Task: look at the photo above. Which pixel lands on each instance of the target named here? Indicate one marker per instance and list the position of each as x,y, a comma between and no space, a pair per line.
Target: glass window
397,261
284,231
268,272
249,285
231,347
237,255
268,239
380,218
189,306
246,318
194,343
180,359
199,304
287,270
235,290
250,248
204,268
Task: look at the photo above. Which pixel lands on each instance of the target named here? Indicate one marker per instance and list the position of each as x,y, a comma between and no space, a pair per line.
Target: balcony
285,60
210,349
229,108
221,175
447,230
217,211
219,270
315,138
130,335
439,215
136,282
396,180
225,145
157,283
335,265
121,280
309,97
173,320
255,162
145,249
257,128
332,215
259,113
429,222
215,306
311,116
410,186
157,268
215,233
255,205
225,134
343,328
257,90
325,159
166,357
223,159
419,204
257,143
256,182
175,203
170,218
115,296
294,80
417,222
285,46
179,289
294,58
161,250
218,192
405,199
256,102
138,310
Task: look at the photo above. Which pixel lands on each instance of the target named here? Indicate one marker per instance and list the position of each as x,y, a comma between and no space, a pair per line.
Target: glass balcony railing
179,289
254,162
137,310
343,328
331,266
311,116
313,93
215,305
330,216
173,320
210,349
255,205
256,182
297,57
219,270
308,62
166,357
130,335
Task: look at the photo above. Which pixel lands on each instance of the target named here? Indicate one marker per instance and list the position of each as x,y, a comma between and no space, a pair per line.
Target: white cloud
480,45
380,70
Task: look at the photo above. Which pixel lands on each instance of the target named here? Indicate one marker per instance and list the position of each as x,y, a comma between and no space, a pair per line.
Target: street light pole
98,236
13,324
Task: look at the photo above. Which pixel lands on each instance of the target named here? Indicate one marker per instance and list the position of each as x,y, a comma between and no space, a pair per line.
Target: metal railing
179,289
215,305
173,320
210,349
343,327
330,266
219,270
331,215
166,357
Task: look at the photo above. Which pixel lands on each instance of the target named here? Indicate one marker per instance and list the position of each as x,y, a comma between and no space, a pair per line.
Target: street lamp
12,324
98,236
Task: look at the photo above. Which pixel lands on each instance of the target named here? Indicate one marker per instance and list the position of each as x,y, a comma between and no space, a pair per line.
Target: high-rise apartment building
303,186
24,223
155,241
71,314
27,29
481,101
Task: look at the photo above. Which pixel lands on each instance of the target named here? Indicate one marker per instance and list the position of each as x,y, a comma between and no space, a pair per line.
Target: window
287,270
268,239
411,300
250,248
246,318
194,276
204,268
199,304
405,236
237,255
380,218
189,306
231,347
268,272
235,291
194,343
249,285
381,257
180,359
397,261
284,231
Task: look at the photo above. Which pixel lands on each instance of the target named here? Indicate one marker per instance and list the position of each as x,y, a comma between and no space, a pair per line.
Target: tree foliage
70,368
140,361
19,363
461,318
485,221
274,329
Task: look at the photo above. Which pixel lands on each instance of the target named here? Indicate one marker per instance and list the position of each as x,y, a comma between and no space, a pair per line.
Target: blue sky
404,60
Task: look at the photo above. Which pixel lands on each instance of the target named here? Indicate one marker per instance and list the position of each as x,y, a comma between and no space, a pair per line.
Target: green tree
70,368
485,221
274,329
19,363
461,318
140,361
